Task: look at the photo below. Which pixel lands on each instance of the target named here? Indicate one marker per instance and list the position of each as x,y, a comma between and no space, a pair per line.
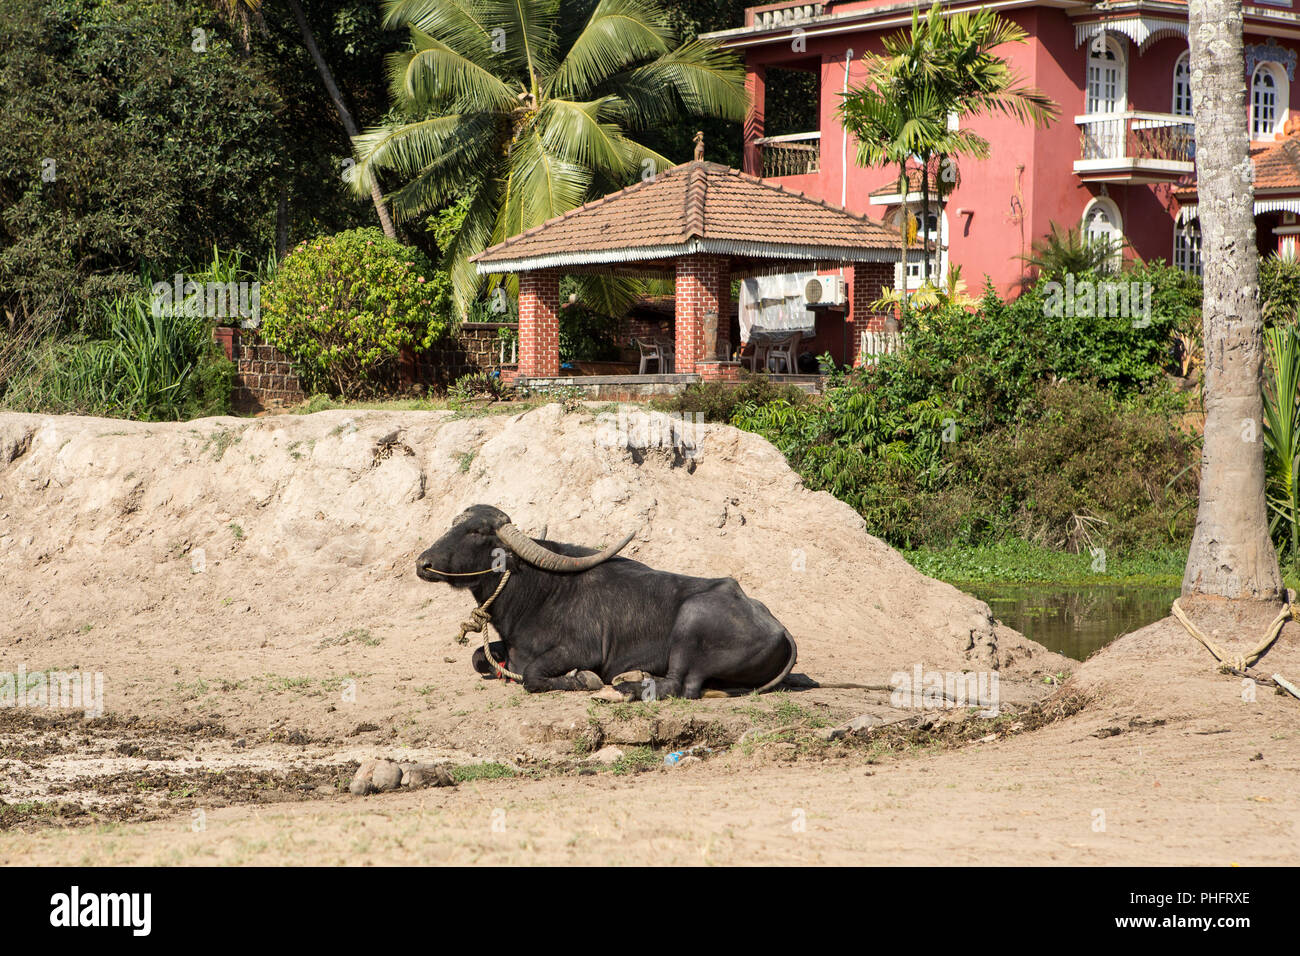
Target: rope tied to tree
1241,662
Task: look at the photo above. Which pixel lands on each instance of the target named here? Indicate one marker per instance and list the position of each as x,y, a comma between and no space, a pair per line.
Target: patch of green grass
628,710
358,634
196,688
635,760
237,531
465,460
221,440
12,814
465,772
781,710
1020,562
324,403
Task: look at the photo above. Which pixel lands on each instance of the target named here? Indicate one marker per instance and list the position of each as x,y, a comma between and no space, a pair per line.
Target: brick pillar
539,324
869,279
703,285
756,87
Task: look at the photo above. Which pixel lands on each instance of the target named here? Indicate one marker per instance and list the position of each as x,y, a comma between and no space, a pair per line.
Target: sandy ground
245,590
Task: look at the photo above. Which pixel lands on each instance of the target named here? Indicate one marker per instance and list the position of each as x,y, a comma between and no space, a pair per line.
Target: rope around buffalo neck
479,619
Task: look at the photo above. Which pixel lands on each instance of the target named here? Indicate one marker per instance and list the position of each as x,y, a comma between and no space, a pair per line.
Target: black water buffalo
567,608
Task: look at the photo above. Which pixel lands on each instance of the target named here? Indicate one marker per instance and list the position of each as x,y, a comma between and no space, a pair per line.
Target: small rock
386,776
360,785
416,775
863,722
607,755
688,761
832,733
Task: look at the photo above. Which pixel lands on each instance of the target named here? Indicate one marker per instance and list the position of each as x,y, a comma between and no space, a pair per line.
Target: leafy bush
586,335
1082,469
718,402
478,385
1012,420
1279,288
344,306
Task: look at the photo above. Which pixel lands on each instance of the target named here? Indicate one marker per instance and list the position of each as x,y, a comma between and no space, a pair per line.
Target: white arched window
1268,100
1101,223
1182,86
1187,246
1107,90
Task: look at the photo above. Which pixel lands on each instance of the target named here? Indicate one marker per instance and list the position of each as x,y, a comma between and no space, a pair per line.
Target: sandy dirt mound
250,585
246,590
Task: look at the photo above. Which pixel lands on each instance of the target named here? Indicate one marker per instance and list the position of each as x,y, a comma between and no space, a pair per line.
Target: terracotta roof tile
696,200
1277,166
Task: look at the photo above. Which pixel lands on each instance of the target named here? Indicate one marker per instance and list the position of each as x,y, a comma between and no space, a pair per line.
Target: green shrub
1279,288
478,385
586,336
718,402
1082,469
343,307
1014,419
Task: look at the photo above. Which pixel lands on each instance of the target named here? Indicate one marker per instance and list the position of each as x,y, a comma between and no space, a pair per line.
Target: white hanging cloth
772,308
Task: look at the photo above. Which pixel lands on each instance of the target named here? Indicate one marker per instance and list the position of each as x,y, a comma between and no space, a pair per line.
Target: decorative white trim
1191,211
721,247
1276,205
1141,30
892,199
1270,51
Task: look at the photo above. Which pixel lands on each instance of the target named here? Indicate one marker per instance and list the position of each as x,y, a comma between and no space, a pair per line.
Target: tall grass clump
147,367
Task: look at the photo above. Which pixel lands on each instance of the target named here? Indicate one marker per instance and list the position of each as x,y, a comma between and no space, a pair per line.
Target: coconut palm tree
530,106
1231,555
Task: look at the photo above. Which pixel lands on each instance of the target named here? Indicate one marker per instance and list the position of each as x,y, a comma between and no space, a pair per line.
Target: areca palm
949,60
892,127
529,106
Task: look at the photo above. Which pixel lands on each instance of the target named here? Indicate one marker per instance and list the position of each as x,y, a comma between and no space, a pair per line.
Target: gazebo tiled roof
697,207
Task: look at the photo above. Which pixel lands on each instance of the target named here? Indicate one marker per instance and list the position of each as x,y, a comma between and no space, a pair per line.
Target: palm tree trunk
1231,554
903,217
925,216
350,127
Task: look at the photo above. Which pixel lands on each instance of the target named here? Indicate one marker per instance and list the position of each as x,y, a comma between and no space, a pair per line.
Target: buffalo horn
538,556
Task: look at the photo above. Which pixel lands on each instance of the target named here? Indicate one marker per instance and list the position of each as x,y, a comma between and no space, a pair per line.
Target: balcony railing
1135,146
784,14
879,343
795,155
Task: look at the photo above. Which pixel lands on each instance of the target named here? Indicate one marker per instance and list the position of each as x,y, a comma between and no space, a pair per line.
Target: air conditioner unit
825,290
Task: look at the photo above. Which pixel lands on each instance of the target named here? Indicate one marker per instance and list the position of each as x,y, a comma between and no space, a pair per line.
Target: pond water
1074,621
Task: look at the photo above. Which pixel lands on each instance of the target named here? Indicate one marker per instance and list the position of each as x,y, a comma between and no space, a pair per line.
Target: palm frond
618,34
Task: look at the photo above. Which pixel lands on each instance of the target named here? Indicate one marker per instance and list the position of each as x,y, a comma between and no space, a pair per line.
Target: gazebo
703,224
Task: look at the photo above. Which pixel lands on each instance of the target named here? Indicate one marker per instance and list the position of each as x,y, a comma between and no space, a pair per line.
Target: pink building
1118,162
